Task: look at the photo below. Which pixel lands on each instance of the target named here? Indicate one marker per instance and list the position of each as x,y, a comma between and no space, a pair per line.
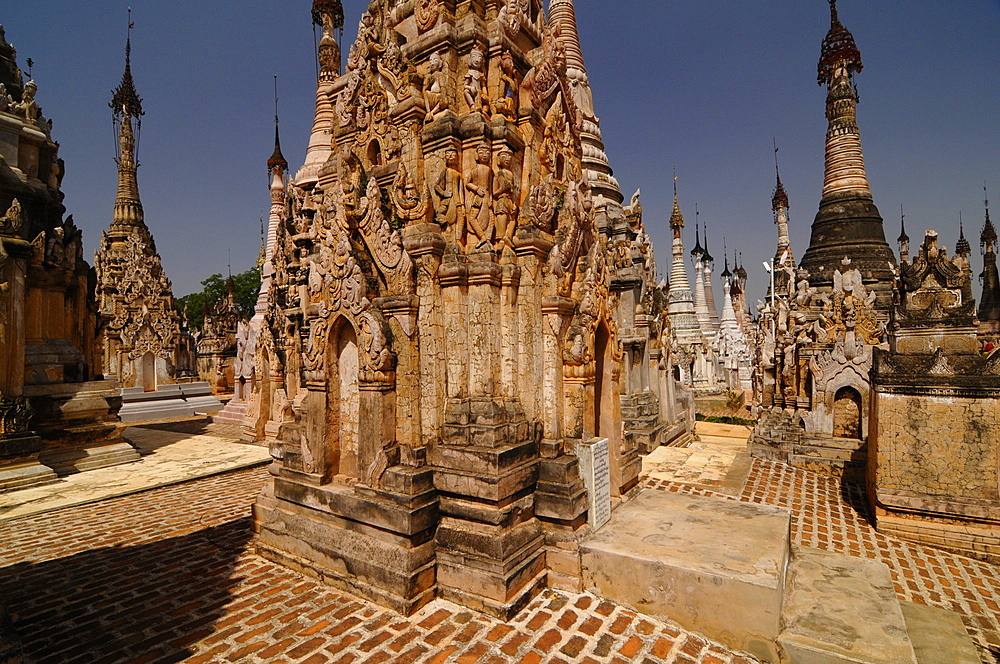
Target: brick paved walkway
167,576
831,515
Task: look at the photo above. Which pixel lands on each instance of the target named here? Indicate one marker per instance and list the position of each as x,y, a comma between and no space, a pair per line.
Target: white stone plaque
595,469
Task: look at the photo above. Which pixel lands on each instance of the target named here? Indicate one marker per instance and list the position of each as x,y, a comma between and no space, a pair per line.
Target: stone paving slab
179,581
719,459
842,610
171,453
830,514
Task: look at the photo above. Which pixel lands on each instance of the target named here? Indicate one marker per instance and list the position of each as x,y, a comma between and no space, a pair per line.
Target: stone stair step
842,610
661,554
834,443
832,454
938,635
76,460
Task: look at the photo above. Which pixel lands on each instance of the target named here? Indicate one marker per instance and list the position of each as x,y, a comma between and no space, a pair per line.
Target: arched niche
343,412
847,412
148,378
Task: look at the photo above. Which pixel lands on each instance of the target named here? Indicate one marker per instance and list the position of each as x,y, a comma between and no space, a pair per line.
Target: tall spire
962,247
989,306
277,159
840,59
697,252
848,223
127,112
903,239
330,15
562,16
681,307
779,199
988,238
676,217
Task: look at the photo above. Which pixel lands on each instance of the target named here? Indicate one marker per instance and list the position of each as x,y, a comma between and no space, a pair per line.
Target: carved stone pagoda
848,224
819,327
140,332
693,358
54,418
441,339
216,344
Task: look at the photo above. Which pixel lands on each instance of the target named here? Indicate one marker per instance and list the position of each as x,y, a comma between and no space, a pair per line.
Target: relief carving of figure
447,196
474,80
5,100
426,12
435,84
28,108
506,198
406,198
478,194
803,293
508,101
374,344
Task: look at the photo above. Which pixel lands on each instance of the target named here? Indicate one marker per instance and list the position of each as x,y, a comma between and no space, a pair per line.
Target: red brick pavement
832,515
168,576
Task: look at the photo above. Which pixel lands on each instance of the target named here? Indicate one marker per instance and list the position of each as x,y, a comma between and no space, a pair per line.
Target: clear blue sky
703,85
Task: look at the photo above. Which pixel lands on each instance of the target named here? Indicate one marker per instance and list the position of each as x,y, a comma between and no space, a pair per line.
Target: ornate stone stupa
848,224
440,347
139,333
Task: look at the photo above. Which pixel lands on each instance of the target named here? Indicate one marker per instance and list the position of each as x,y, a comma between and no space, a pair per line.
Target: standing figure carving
447,196
479,192
505,198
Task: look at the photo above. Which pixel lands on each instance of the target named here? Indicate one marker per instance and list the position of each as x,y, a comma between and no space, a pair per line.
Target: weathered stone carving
475,79
12,222
421,320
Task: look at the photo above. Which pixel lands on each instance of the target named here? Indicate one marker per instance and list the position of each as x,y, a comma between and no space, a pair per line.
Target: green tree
246,285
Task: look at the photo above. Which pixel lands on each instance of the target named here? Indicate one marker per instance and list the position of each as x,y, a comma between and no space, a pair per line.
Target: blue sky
701,85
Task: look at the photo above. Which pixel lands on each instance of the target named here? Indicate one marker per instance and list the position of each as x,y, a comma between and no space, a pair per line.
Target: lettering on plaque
595,470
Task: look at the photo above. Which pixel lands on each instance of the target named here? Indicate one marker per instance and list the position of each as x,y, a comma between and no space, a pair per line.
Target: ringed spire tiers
329,14
848,223
562,15
127,112
680,308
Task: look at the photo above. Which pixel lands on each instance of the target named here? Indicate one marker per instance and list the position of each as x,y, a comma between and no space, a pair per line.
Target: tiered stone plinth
78,426
490,554
375,543
643,426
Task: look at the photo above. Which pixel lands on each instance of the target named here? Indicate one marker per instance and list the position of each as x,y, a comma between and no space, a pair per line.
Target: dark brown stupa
848,224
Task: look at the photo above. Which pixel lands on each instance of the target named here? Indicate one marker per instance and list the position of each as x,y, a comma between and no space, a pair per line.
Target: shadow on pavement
116,604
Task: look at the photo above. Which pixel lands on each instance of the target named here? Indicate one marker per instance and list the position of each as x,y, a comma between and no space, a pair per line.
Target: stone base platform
69,460
387,558
975,539
713,566
25,475
777,437
727,569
